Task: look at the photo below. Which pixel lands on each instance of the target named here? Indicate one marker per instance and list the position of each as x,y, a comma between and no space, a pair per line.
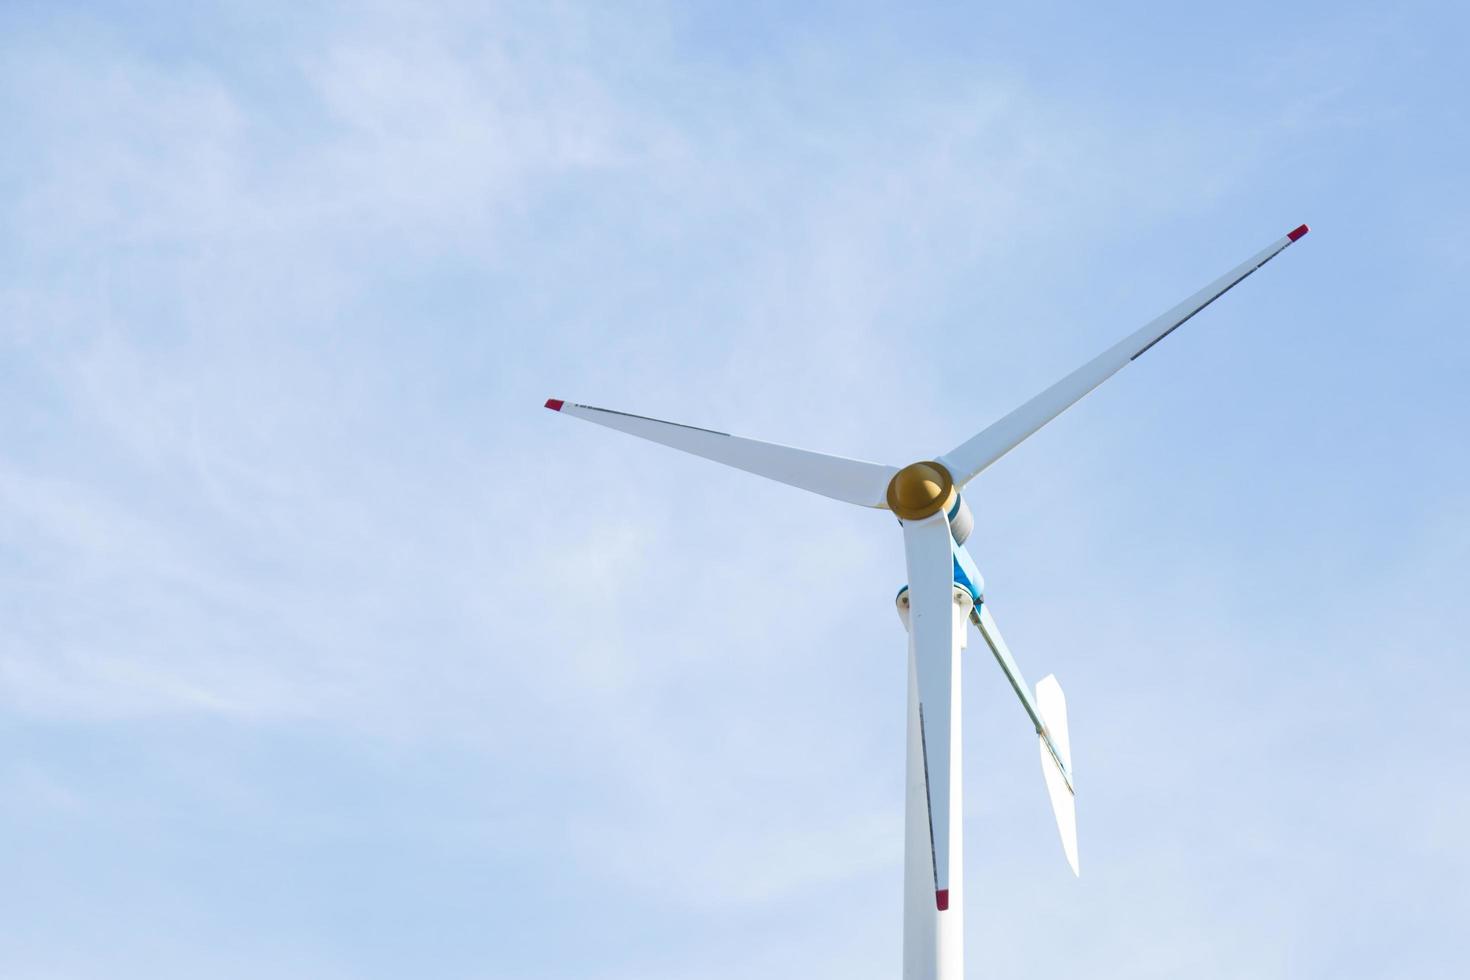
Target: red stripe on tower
1299,232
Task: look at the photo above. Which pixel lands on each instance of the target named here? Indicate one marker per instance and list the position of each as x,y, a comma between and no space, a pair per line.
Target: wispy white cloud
280,326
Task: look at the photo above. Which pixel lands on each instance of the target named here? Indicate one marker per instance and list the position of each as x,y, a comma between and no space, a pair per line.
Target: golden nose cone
919,486
919,490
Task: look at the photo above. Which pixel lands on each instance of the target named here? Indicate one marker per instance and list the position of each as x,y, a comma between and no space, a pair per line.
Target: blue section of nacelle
966,575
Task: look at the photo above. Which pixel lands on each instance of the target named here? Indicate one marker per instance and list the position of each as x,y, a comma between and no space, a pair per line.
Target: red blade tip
554,404
941,899
1299,232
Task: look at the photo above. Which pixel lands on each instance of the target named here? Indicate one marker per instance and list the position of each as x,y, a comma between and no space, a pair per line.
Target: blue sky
326,652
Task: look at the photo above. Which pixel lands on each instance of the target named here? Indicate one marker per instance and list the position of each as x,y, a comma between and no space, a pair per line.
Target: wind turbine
944,591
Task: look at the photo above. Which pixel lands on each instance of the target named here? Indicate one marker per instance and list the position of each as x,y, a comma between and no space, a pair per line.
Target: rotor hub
920,490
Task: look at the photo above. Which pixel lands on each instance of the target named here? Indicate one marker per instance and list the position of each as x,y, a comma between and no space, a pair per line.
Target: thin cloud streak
284,518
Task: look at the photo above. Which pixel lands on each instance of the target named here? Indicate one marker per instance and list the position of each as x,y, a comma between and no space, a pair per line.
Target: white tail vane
850,480
967,460
944,589
1051,703
1048,713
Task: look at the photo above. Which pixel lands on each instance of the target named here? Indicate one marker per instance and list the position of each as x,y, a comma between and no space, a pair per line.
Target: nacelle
961,521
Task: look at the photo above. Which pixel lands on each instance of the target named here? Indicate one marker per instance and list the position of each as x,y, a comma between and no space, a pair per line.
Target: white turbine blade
1052,704
851,480
927,548
968,459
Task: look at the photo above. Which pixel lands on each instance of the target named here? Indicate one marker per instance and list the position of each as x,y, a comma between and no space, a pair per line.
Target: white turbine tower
944,591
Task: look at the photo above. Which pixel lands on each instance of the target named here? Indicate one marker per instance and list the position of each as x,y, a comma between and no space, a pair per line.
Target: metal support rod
980,616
